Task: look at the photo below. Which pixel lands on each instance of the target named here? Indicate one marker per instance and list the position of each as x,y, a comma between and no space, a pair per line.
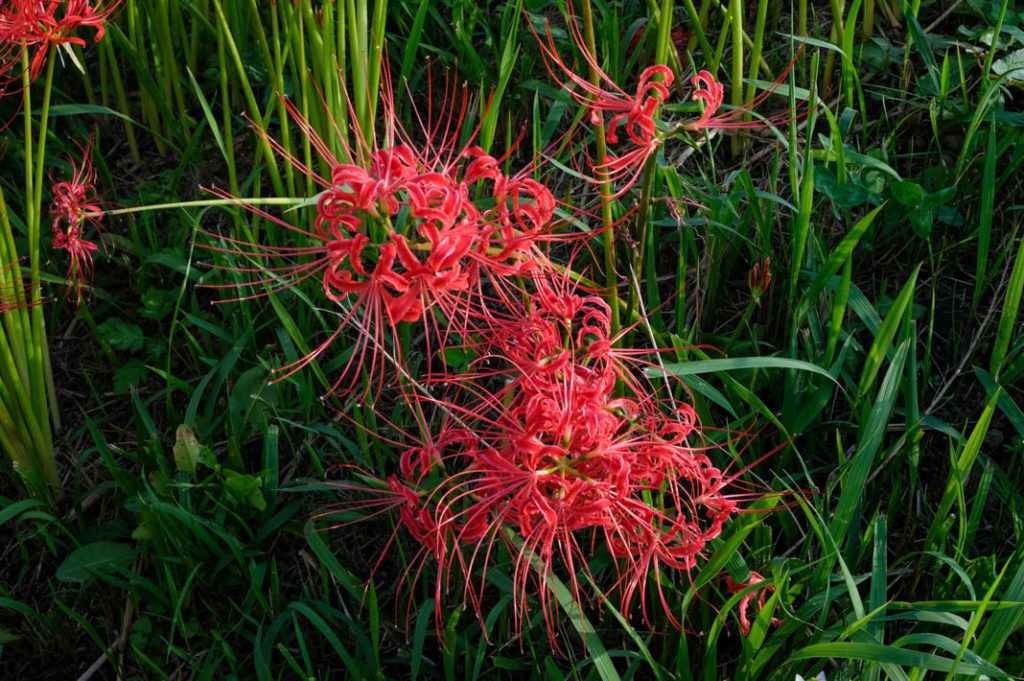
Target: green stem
107,50
604,187
250,98
736,9
650,167
225,105
201,203
756,50
698,30
24,351
744,321
41,374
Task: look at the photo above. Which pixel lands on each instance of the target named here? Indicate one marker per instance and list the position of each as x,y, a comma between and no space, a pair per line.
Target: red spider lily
537,452
712,94
762,587
75,203
36,25
636,111
80,252
75,200
400,237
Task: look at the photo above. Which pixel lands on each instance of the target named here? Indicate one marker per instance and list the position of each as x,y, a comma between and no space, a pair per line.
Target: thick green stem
661,55
41,375
736,10
604,187
250,98
28,386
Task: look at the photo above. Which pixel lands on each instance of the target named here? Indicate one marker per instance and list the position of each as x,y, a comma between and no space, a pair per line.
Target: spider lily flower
763,588
536,452
75,200
712,94
399,234
36,25
74,205
80,265
612,106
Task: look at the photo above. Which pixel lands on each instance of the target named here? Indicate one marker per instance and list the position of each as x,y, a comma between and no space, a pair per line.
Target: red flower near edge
35,25
75,203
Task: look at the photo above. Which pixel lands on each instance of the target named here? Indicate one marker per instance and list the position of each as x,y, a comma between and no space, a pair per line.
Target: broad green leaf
121,335
246,489
908,193
187,450
94,559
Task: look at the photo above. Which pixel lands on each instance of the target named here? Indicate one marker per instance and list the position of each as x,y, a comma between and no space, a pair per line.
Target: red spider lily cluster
552,444
413,232
74,205
29,29
541,454
33,26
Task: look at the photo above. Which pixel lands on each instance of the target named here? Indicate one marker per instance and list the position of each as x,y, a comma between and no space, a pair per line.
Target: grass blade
870,441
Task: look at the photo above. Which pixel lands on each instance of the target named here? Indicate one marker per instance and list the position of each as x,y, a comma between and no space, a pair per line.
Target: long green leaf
986,209
840,254
968,454
711,366
876,652
1008,317
883,339
1002,624
856,475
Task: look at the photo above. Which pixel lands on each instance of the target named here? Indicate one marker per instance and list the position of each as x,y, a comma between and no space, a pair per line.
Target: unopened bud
760,279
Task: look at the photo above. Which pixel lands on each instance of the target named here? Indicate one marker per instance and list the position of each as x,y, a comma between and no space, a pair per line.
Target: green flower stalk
30,34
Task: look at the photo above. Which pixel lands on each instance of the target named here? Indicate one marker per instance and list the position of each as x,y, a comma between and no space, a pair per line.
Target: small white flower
819,677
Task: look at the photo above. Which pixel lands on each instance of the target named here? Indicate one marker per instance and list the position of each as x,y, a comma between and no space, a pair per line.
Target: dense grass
876,379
